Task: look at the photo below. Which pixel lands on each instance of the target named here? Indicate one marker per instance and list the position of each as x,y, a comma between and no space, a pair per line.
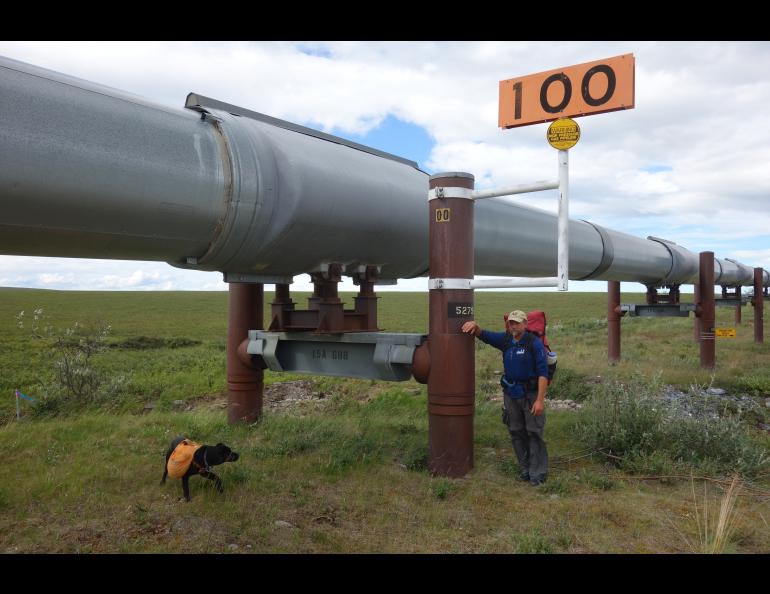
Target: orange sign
584,89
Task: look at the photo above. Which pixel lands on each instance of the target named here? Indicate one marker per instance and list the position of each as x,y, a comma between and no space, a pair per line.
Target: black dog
205,457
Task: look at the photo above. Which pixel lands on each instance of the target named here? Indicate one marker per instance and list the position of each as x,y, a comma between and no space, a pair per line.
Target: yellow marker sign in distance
725,332
563,134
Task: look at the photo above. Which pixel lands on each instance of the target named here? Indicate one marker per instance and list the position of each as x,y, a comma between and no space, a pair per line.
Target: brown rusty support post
613,321
652,295
696,322
738,307
281,308
759,304
366,300
452,375
331,310
312,301
674,295
707,311
244,381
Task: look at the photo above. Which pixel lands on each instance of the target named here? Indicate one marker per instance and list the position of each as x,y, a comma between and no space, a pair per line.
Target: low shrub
532,543
632,426
73,378
757,384
570,385
441,488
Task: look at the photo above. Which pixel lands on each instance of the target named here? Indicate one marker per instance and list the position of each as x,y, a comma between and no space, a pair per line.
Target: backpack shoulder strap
530,346
507,341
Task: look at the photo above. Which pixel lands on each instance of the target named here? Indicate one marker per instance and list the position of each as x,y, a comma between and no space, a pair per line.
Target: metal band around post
608,252
439,193
449,283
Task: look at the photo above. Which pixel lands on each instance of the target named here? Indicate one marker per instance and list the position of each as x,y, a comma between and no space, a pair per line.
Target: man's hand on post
471,328
539,405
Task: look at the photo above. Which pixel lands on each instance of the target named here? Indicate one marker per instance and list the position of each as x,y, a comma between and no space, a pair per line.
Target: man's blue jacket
518,359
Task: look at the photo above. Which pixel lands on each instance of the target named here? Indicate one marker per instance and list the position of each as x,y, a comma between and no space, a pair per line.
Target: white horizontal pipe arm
520,189
512,283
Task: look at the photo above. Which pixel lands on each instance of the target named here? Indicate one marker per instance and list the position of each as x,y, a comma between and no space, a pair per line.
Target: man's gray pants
527,434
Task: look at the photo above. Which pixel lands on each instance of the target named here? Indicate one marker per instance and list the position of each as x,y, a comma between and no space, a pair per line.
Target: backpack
536,324
181,458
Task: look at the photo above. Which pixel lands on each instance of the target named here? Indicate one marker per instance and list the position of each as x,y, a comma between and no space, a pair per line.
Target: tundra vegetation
649,462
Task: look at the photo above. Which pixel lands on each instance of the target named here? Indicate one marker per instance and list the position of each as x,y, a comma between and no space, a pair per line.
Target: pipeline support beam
613,321
759,304
707,311
451,378
696,325
245,381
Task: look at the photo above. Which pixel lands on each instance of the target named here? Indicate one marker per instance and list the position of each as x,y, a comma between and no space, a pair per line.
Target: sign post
557,96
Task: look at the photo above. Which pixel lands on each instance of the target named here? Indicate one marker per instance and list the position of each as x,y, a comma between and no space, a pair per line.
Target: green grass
349,474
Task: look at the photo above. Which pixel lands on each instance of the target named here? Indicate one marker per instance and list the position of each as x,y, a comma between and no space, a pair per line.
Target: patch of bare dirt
277,396
282,395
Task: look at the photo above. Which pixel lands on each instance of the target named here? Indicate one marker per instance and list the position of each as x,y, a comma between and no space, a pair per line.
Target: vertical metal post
759,304
738,307
244,381
613,321
696,322
708,313
451,379
281,308
331,310
366,300
312,301
18,410
563,240
652,295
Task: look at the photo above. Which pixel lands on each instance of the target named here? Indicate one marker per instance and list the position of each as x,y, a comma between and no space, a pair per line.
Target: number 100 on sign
584,89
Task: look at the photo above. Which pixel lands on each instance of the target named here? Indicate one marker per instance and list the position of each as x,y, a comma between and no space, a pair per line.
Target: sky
689,163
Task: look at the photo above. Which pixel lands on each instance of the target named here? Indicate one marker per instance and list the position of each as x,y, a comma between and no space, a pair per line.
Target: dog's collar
206,468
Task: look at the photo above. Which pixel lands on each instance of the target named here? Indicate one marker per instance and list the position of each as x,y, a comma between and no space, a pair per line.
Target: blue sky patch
657,168
397,137
315,51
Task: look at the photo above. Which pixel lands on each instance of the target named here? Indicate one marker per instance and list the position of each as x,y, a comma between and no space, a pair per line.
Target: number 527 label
460,310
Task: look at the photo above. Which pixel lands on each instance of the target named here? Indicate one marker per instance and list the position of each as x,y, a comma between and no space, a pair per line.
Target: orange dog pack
181,458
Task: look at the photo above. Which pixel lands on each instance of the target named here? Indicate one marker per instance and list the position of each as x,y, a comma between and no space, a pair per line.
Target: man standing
525,381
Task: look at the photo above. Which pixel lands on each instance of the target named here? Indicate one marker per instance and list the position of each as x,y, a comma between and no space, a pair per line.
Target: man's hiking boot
537,480
524,476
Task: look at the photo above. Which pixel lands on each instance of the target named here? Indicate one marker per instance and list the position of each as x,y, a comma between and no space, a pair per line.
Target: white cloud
138,278
56,279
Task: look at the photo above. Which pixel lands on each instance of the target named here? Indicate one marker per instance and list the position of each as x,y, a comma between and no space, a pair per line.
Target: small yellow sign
563,134
725,332
442,215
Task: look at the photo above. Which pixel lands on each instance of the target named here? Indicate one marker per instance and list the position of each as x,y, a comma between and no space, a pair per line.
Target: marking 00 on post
574,91
442,215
